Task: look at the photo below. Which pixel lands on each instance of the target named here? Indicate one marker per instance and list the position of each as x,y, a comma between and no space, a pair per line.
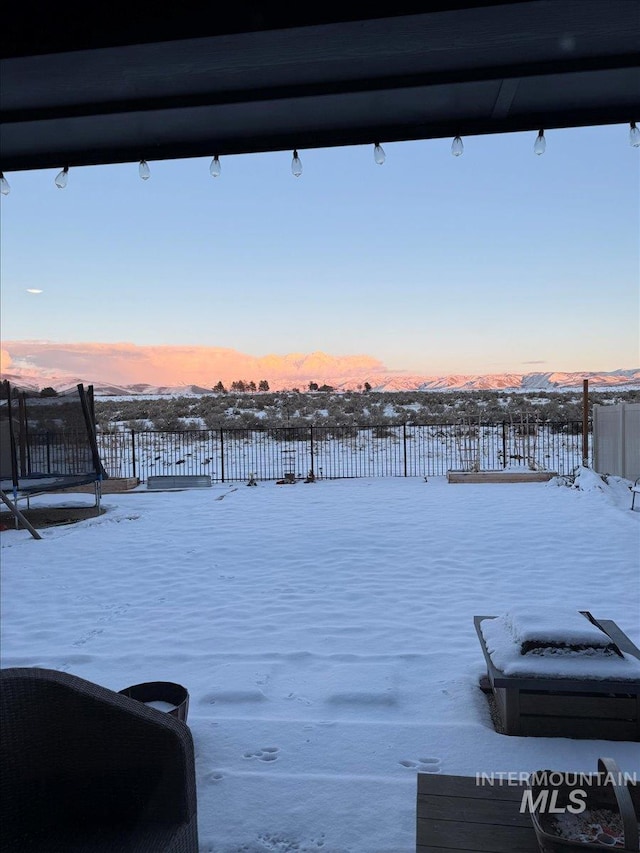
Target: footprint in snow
423,765
267,753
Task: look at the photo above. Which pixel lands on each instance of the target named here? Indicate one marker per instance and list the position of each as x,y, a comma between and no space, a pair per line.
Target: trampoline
47,444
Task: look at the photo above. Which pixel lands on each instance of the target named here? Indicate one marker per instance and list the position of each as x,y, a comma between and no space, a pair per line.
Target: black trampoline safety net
47,442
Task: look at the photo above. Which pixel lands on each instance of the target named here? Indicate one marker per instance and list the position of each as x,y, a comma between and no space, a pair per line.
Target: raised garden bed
179,481
557,705
500,476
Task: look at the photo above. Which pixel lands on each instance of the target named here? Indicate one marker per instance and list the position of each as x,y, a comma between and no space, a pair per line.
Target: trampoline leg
19,516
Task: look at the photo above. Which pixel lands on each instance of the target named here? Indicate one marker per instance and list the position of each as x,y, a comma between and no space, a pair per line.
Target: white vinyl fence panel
616,440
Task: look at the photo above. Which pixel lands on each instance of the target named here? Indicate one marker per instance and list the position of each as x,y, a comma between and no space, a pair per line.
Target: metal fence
332,452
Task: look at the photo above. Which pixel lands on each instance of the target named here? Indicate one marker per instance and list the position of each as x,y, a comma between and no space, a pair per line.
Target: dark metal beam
396,83
176,86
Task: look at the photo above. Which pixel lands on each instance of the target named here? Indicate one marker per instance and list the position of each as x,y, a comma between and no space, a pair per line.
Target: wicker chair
86,770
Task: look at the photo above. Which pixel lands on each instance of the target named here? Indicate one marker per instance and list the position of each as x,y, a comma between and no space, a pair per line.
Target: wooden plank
489,838
500,476
435,784
511,718
569,685
483,818
474,809
579,728
508,705
429,848
562,705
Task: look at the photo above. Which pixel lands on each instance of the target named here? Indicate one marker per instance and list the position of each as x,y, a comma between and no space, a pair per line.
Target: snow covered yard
325,634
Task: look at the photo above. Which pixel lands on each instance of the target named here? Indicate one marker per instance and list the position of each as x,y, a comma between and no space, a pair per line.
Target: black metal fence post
504,444
404,447
222,454
311,469
133,452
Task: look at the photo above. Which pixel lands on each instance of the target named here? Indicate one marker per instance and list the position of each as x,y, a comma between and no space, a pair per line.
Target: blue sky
498,260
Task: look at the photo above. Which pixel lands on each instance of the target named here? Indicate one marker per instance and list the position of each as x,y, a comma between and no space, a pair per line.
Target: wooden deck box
538,706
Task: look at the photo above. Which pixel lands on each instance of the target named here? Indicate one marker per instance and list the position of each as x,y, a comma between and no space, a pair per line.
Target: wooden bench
456,814
635,490
179,481
546,706
488,813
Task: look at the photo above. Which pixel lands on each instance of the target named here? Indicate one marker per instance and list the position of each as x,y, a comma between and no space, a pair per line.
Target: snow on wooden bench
179,481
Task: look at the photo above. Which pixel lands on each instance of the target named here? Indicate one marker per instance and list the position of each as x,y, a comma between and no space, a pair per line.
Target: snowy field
325,634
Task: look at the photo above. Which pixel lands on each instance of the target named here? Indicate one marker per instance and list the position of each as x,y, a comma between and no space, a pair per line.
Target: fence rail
332,452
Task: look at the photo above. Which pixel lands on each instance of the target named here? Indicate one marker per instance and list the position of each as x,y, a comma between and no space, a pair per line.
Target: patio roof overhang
82,85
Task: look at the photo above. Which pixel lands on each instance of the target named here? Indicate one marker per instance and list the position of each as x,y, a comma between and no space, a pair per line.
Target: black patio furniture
84,769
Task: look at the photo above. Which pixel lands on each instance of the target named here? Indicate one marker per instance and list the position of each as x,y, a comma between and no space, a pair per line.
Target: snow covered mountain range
127,369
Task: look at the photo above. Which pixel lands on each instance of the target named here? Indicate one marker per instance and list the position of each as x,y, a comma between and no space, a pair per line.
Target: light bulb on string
457,147
215,168
378,154
634,135
143,170
62,178
5,188
296,165
540,144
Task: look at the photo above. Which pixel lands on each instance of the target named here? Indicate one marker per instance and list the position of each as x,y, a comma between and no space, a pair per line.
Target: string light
540,144
62,178
296,165
379,156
